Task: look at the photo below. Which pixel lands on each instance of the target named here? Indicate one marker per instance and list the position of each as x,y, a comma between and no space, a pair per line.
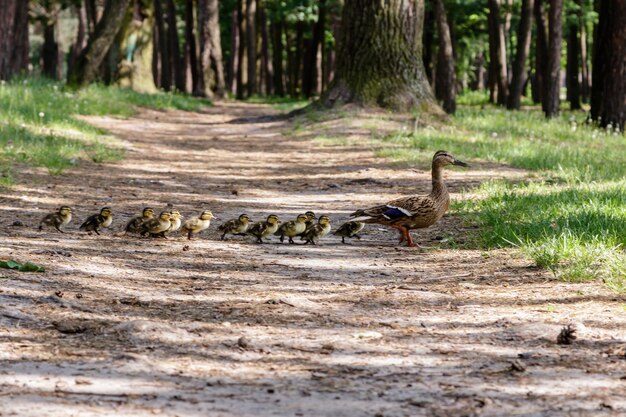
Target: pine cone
567,336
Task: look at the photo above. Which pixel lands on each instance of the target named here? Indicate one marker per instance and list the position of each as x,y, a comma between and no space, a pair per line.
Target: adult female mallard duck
416,211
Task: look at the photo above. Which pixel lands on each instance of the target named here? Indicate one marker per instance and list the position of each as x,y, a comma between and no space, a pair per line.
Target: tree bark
20,38
277,57
296,67
552,80
191,52
234,52
89,61
7,37
608,95
541,53
176,62
81,36
309,78
584,58
379,61
217,60
50,52
519,66
251,41
165,70
266,61
429,36
571,73
241,52
445,86
92,15
498,44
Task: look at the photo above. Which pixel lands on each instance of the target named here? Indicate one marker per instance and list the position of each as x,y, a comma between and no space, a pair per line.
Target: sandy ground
124,326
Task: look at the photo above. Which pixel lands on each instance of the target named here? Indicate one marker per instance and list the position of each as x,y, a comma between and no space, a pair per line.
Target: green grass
568,214
282,104
37,127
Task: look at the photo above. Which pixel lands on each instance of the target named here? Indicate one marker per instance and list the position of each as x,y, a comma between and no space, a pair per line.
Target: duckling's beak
460,163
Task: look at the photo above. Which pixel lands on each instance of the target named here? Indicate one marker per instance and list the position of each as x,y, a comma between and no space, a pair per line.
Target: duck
349,229
176,220
57,219
415,211
157,226
317,231
310,219
292,228
98,221
134,225
265,228
197,225
238,226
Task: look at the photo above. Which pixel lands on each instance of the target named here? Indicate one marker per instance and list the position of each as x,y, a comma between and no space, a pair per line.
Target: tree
379,60
608,95
541,52
519,66
210,48
7,40
550,103
88,63
20,38
497,53
573,57
251,41
445,84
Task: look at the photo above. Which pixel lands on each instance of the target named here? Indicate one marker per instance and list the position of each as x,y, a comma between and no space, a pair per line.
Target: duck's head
302,218
165,216
105,211
324,220
148,213
272,219
443,158
207,215
175,215
65,210
244,218
310,215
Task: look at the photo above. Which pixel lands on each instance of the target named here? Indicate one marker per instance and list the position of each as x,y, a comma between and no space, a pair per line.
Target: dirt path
134,327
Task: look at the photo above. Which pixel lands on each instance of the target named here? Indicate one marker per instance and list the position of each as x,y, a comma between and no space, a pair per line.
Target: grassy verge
37,127
568,215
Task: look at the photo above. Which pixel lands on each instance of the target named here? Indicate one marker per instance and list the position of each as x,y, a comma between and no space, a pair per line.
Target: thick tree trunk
309,79
608,95
20,35
380,56
498,43
89,61
541,53
519,66
165,70
233,60
266,61
445,86
277,57
7,37
251,41
571,74
552,80
176,62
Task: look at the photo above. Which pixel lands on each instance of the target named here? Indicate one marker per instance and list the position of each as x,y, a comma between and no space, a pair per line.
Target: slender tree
550,103
571,71
519,66
7,38
309,79
497,52
541,52
379,58
445,85
164,66
88,63
251,41
233,60
176,62
608,95
194,79
276,28
266,62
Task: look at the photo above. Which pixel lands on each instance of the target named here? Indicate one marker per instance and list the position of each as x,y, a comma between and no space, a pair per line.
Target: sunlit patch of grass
282,104
37,127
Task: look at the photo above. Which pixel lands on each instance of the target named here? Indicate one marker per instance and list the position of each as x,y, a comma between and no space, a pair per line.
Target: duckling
62,217
292,228
310,219
194,226
238,226
134,225
416,211
263,229
349,229
97,221
176,222
317,231
158,226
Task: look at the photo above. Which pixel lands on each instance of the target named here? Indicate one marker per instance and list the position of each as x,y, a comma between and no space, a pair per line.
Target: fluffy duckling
317,231
349,229
310,219
98,221
292,228
176,222
62,217
195,226
237,226
158,226
134,225
266,228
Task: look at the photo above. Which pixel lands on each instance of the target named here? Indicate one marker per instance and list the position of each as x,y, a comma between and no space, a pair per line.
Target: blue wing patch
394,213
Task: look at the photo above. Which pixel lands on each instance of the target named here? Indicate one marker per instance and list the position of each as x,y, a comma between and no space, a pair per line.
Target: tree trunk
241,67
233,60
20,36
217,60
584,58
379,57
309,79
608,95
266,62
541,53
519,66
498,44
89,61
81,39
429,36
165,70
92,15
50,52
7,38
296,68
191,52
277,56
571,73
251,41
552,80
176,62
445,86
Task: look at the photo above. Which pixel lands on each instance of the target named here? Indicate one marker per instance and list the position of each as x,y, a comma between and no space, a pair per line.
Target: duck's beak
460,163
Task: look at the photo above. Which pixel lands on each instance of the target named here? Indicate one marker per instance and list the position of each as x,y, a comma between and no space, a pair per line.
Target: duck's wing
227,227
394,210
91,221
